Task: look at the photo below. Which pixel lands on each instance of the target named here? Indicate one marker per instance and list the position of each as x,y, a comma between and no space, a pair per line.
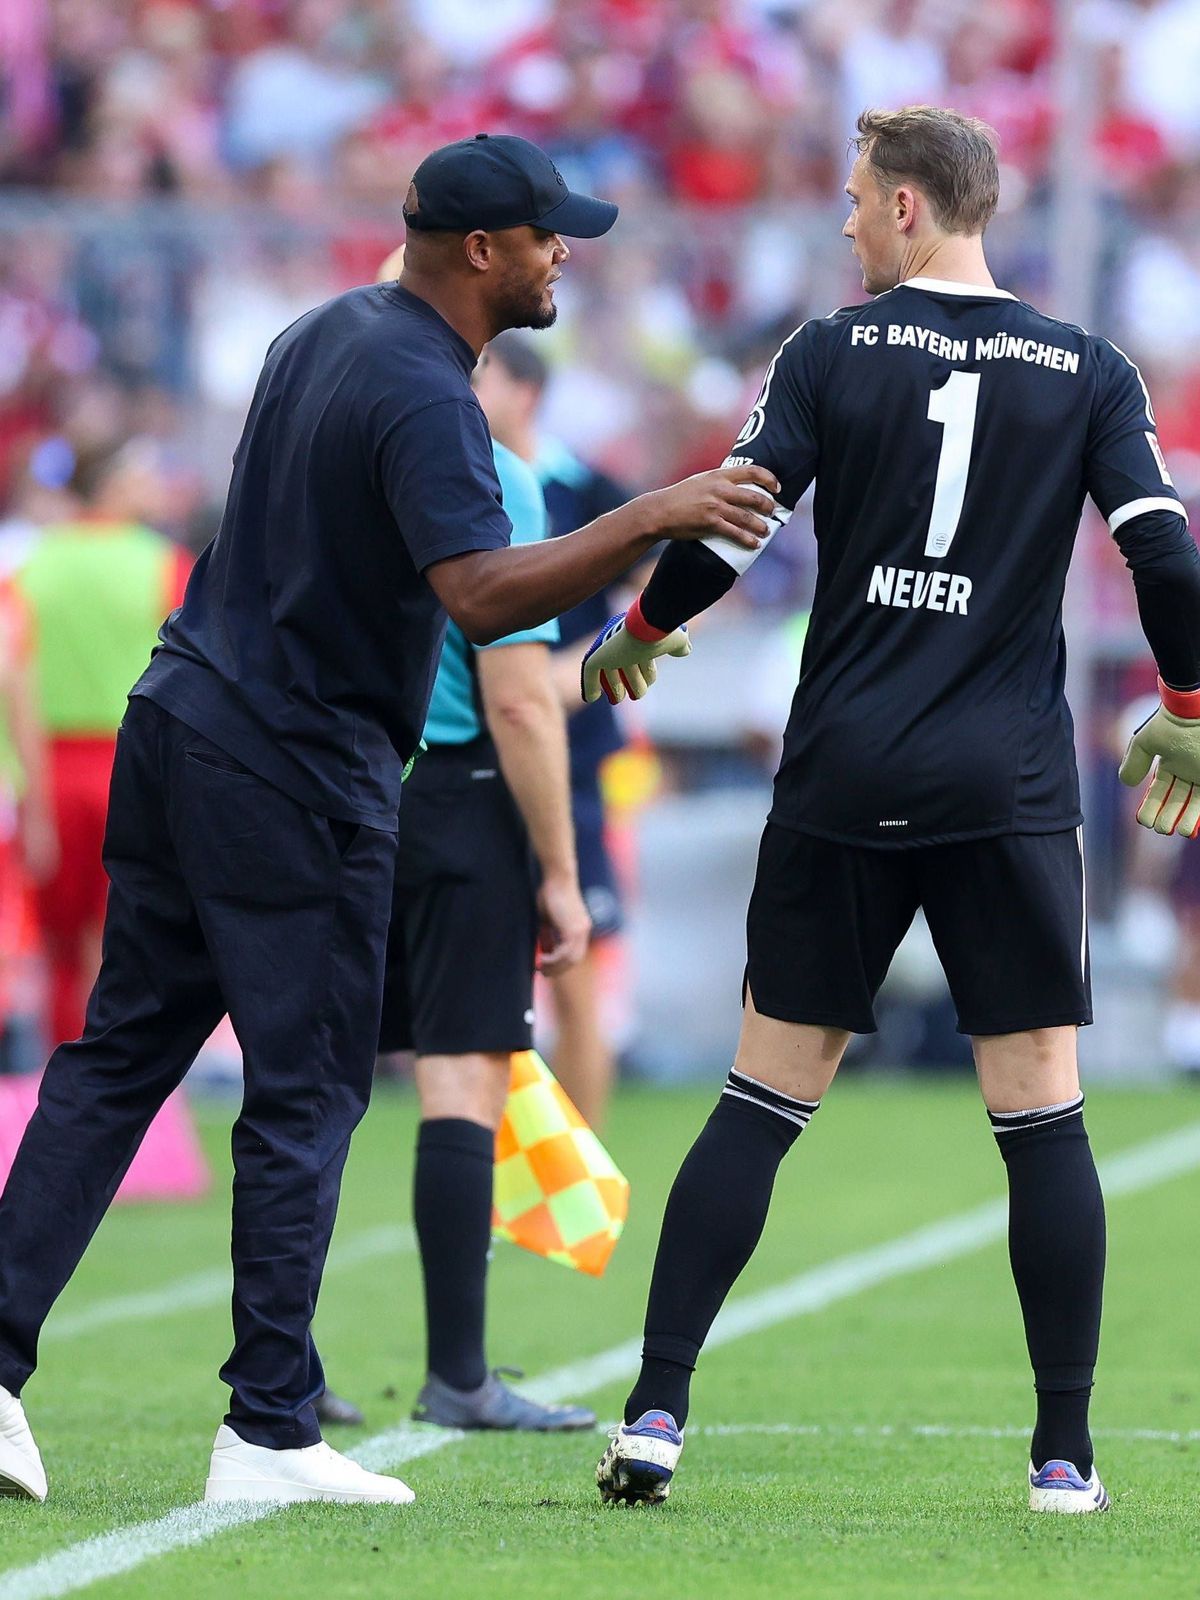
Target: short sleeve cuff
461,546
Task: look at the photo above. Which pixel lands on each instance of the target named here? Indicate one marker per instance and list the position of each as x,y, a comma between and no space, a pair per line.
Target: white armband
736,555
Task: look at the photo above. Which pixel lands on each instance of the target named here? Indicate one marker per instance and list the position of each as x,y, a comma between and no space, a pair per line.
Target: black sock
714,1217
1056,1246
452,1214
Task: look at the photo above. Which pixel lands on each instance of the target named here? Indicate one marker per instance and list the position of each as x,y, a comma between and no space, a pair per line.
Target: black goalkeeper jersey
953,433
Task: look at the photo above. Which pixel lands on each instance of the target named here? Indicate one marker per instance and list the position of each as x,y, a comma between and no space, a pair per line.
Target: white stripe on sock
1044,1114
801,1119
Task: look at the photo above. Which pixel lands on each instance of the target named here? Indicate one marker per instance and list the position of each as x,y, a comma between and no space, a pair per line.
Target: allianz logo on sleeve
914,590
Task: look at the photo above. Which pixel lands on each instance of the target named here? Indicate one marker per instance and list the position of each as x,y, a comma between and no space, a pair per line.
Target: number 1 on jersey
953,405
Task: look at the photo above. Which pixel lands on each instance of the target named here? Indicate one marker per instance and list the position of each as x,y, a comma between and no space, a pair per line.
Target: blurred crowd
179,179
182,177
713,102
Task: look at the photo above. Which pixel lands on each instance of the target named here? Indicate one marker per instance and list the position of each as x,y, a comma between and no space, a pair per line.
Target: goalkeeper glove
1171,804
622,658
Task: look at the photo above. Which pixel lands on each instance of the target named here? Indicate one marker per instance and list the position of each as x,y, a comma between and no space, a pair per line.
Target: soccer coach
255,795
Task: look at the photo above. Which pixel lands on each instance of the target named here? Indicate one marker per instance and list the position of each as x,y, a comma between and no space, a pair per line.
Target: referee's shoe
494,1405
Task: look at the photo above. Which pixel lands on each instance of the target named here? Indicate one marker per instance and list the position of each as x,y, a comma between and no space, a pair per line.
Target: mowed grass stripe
108,1555
1153,1162
926,1430
214,1286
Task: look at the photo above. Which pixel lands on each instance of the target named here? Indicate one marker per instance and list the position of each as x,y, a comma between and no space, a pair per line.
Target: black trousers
226,895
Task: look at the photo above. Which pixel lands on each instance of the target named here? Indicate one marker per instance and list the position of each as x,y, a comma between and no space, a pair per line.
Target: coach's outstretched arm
490,593
781,435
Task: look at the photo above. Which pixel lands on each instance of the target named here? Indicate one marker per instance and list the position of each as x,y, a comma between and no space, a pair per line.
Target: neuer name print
912,590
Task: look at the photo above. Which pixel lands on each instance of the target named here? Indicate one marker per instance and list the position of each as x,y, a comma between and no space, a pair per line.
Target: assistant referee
254,805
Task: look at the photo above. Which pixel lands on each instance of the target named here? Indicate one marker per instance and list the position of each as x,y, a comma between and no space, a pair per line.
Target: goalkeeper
952,432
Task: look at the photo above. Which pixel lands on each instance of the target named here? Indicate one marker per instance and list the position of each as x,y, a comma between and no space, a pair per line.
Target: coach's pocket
244,842
217,760
343,835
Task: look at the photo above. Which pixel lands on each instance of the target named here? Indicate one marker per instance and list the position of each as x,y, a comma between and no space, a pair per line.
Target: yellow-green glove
1171,803
621,660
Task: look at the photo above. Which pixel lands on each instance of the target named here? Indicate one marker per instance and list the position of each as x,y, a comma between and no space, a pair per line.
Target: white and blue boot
1060,1487
640,1461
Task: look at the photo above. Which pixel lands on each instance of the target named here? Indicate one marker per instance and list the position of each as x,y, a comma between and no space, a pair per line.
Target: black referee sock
714,1217
452,1214
1056,1246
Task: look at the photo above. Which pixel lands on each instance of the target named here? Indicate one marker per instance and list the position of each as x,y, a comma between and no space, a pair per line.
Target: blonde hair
949,157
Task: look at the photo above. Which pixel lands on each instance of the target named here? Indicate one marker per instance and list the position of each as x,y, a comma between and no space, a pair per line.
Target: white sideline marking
108,1555
214,1286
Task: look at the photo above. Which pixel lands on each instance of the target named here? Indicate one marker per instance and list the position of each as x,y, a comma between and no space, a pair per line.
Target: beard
523,307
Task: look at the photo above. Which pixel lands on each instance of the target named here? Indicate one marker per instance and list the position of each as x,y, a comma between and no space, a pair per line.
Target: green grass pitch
864,1449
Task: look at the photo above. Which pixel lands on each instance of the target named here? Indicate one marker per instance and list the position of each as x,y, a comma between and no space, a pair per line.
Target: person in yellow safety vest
97,589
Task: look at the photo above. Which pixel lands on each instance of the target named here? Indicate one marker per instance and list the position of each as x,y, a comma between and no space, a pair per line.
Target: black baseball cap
497,180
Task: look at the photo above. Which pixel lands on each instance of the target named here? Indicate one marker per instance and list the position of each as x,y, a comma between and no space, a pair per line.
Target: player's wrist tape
641,630
1180,702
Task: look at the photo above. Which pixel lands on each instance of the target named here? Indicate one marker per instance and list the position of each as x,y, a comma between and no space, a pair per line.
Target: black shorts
1006,914
463,937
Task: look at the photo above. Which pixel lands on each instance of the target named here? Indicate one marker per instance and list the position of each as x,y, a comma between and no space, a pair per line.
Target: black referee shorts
1006,914
463,936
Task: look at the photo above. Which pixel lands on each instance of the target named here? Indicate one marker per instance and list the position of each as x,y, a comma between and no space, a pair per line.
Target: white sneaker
21,1471
241,1471
1060,1487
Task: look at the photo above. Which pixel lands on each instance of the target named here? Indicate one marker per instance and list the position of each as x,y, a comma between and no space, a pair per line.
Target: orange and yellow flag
557,1192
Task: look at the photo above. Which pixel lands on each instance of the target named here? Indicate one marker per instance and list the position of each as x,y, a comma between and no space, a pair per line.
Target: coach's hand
566,926
732,501
1172,735
621,661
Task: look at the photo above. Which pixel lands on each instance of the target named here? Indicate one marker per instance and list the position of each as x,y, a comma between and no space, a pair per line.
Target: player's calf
1056,1248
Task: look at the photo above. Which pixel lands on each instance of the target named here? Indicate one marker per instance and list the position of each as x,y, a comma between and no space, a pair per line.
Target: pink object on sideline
169,1166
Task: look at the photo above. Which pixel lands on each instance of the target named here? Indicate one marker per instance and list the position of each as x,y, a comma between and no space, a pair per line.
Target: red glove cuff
1180,702
636,624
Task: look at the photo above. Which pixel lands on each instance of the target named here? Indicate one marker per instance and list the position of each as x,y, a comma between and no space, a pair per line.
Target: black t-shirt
308,639
953,433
